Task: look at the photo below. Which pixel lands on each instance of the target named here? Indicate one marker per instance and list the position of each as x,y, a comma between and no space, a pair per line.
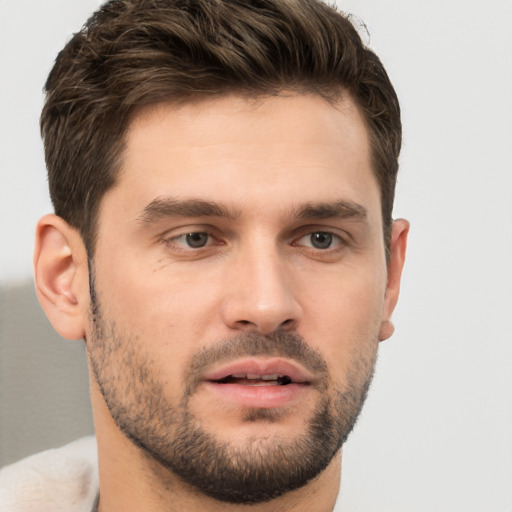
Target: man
223,177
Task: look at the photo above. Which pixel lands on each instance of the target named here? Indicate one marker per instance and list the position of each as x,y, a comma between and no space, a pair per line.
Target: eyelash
336,241
176,240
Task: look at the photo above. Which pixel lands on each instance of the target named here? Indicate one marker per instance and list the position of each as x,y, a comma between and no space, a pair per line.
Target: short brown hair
134,53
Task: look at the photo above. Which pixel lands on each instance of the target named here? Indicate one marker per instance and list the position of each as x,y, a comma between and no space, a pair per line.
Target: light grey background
436,433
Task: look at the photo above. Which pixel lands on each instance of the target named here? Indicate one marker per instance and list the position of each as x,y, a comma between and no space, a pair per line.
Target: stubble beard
170,435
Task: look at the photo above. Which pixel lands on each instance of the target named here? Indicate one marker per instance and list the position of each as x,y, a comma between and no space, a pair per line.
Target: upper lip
261,367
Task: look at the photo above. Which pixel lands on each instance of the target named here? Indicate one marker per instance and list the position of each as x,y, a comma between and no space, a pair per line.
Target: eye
194,240
321,240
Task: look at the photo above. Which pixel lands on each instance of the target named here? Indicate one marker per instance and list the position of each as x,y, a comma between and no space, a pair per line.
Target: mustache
279,343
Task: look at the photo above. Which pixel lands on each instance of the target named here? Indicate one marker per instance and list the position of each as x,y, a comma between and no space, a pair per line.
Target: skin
261,161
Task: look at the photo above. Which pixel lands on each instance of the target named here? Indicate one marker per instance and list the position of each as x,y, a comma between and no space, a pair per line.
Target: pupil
321,240
197,239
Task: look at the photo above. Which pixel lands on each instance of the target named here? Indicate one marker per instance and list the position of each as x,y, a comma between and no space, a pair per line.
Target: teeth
253,376
270,377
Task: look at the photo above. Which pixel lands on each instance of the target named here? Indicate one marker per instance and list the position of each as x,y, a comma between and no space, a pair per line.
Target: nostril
287,323
245,323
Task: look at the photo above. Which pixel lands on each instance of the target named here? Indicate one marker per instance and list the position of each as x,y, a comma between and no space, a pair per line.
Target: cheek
343,323
349,301
165,316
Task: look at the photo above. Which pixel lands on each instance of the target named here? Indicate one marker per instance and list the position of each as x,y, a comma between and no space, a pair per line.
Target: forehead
291,119
245,152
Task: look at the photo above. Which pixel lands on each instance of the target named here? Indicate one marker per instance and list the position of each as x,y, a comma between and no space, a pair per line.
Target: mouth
256,380
260,372
261,383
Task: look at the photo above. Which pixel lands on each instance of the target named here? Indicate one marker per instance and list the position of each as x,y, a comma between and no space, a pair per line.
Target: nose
259,294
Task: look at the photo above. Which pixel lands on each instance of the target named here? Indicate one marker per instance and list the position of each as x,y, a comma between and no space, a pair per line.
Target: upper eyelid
339,237
176,232
185,233
172,243
216,233
309,229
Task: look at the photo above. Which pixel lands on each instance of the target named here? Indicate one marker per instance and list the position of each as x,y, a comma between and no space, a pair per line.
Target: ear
61,276
395,266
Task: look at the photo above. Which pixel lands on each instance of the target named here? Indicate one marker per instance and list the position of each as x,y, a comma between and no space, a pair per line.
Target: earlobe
59,261
386,330
397,251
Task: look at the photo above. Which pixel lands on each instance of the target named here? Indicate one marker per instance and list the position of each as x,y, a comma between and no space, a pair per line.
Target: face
239,284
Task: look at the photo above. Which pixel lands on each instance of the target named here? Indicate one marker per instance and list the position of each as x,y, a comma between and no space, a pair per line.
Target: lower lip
263,397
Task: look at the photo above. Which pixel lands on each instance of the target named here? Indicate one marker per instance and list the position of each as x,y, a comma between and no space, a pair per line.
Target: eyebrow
163,207
338,209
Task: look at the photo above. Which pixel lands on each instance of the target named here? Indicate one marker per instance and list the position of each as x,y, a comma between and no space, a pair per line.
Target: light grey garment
59,480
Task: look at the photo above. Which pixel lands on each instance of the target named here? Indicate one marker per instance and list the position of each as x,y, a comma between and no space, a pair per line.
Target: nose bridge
261,295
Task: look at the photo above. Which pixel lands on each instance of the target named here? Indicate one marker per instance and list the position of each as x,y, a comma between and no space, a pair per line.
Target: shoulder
64,479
